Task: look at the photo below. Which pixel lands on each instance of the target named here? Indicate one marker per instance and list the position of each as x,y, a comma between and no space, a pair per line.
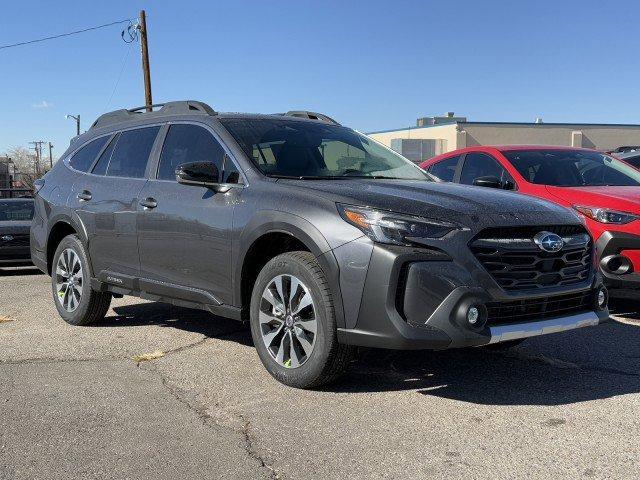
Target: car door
106,200
184,231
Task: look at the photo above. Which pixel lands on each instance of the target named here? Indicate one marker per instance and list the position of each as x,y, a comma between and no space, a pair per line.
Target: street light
77,119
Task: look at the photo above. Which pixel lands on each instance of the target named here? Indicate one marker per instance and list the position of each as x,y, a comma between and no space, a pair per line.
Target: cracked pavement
76,405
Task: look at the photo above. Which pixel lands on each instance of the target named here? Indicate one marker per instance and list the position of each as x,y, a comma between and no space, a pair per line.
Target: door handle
149,203
84,195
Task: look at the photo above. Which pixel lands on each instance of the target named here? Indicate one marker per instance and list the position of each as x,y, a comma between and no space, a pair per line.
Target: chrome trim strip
503,333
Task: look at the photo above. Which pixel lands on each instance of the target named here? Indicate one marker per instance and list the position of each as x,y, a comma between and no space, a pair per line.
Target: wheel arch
300,234
61,226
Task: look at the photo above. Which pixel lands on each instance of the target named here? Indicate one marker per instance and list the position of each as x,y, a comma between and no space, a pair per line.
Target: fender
74,221
274,221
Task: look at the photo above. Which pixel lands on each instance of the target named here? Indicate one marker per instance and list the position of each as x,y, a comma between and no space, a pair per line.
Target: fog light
602,298
473,315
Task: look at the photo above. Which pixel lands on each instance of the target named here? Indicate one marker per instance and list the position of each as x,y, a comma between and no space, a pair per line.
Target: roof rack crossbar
311,115
169,108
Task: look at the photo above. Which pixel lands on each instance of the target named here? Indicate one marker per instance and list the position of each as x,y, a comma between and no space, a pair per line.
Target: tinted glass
103,161
306,149
16,210
635,161
130,155
572,168
188,143
446,169
84,157
478,165
230,174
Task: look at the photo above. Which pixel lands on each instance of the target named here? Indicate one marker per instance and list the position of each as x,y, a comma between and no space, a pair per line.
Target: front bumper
418,299
611,246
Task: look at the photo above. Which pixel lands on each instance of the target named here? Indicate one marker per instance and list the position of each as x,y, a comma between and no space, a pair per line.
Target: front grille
516,263
18,240
518,311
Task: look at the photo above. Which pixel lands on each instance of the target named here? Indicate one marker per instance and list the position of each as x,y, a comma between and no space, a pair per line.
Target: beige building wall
589,136
437,132
466,134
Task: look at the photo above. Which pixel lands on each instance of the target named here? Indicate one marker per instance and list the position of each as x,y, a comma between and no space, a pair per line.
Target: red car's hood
626,199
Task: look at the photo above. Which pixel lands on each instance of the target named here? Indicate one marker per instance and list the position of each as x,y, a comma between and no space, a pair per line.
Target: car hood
617,198
438,200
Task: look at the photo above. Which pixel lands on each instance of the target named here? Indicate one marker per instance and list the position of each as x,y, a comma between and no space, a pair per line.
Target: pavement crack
189,401
188,346
31,361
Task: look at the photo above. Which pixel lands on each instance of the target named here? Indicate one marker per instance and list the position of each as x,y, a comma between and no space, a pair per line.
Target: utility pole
37,146
77,119
144,50
50,155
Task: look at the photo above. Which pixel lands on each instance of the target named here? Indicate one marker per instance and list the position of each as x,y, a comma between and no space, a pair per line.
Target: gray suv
321,238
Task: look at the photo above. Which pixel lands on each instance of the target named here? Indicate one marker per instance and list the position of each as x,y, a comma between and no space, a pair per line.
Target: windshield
16,210
304,149
572,168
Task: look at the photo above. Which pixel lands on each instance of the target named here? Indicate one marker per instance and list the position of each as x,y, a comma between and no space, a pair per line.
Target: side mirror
489,181
202,174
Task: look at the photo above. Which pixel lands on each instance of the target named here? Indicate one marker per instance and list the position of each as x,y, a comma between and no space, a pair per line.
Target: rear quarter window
84,158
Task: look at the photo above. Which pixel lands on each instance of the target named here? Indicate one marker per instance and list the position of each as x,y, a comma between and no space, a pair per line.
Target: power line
124,62
63,34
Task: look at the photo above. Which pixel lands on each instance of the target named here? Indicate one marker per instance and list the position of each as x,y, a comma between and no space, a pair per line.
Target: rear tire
76,302
293,322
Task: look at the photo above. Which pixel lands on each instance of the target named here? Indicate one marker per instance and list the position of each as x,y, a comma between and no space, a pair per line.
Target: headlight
394,228
605,215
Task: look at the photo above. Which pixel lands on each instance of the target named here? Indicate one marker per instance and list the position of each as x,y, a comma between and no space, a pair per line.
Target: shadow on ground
190,320
582,365
626,308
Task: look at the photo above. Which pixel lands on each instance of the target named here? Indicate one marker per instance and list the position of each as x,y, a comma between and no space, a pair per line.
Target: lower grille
520,311
17,240
516,263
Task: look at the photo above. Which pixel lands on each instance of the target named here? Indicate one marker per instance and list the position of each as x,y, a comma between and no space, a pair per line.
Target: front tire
76,302
293,322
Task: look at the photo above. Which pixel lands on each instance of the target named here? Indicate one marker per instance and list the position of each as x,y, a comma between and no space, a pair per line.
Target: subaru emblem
7,238
549,242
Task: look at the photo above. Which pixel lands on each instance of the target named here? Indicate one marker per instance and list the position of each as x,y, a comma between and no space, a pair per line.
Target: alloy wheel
69,280
288,323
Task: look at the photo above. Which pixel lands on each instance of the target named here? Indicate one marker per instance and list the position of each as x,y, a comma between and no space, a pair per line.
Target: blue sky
371,65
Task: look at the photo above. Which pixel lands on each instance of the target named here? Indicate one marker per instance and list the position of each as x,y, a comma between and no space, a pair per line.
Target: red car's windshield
572,168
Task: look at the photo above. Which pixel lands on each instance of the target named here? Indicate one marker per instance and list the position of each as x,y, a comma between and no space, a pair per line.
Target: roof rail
311,115
169,108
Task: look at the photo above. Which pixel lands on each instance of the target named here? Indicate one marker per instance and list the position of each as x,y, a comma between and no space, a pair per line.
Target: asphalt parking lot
77,404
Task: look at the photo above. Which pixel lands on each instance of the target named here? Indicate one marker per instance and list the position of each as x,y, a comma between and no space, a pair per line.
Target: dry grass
5,319
146,357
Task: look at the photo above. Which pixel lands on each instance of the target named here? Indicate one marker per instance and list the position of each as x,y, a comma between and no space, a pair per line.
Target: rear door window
131,153
446,169
83,158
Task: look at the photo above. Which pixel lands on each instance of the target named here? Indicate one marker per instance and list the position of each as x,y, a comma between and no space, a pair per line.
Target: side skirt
164,292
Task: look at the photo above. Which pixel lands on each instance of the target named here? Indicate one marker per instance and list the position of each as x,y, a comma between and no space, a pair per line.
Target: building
5,178
435,135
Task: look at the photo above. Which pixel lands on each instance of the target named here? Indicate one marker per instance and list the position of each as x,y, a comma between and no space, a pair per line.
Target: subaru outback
319,237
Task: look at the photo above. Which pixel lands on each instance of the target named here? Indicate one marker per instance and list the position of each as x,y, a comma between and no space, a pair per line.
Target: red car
602,189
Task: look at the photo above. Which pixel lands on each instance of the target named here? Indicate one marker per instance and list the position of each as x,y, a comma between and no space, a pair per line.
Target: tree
26,166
